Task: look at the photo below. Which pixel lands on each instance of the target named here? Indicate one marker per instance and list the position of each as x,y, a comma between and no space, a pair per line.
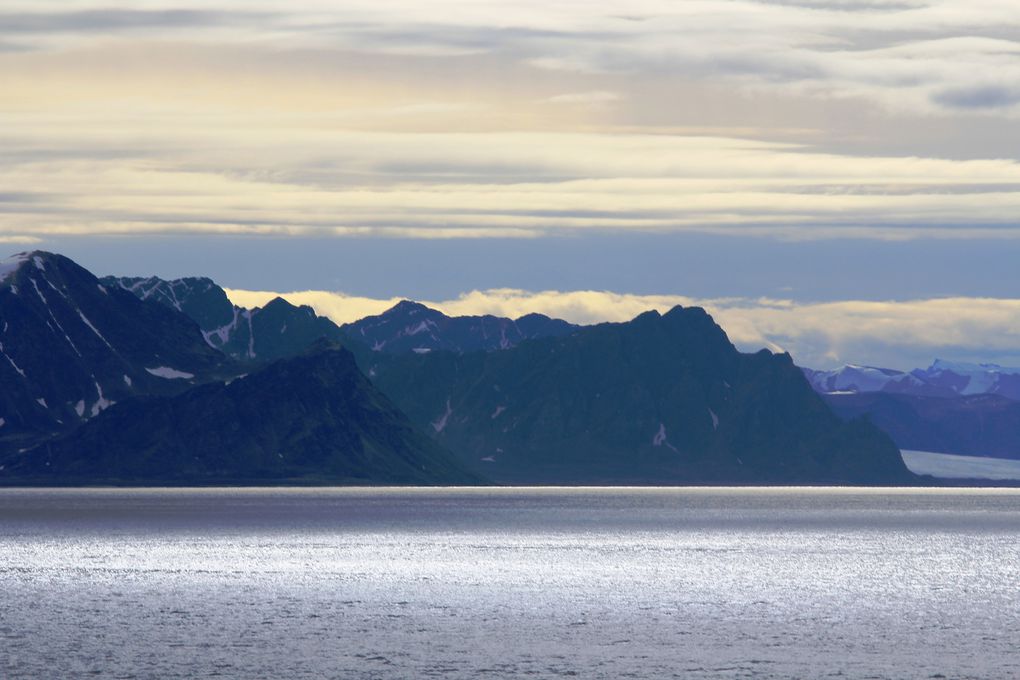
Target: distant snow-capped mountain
967,379
949,407
941,379
852,379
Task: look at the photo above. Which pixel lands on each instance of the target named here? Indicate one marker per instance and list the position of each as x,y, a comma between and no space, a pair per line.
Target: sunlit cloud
912,55
591,98
899,334
482,119
442,185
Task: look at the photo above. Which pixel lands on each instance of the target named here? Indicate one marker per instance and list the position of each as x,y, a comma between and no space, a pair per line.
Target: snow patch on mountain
251,335
169,373
421,327
440,424
854,378
102,403
46,304
223,332
7,356
94,329
660,438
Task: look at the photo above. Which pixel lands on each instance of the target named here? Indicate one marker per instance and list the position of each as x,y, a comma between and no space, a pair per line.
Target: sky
839,179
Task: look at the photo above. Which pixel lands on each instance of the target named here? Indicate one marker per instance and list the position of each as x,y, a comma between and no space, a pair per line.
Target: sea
510,583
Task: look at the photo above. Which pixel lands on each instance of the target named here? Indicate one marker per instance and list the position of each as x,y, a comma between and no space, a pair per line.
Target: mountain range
413,327
171,383
660,399
310,419
941,379
280,329
277,330
949,407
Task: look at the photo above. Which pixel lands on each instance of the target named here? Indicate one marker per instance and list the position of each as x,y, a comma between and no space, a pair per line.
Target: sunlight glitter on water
398,583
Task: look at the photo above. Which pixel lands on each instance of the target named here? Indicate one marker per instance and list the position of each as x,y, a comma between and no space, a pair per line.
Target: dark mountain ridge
661,399
276,330
412,327
310,419
70,347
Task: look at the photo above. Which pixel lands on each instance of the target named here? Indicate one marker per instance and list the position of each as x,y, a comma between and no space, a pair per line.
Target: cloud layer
896,334
939,55
876,119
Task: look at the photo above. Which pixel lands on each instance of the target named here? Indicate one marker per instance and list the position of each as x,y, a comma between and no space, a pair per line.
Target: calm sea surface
499,583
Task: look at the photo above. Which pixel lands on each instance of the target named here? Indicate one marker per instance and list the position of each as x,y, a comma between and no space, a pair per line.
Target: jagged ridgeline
661,399
279,329
150,381
413,327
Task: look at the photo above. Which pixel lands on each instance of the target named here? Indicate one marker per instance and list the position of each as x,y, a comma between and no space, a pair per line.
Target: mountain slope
661,399
310,419
70,347
975,425
277,330
410,326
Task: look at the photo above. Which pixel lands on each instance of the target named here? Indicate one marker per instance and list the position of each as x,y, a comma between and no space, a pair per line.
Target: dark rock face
71,346
413,327
310,419
975,425
661,399
277,330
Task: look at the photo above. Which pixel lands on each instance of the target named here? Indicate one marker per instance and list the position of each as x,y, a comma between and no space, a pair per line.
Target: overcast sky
782,162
